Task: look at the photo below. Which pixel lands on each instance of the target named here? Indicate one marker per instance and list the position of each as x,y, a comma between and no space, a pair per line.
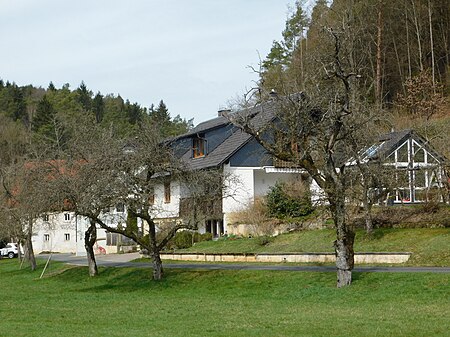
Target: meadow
125,302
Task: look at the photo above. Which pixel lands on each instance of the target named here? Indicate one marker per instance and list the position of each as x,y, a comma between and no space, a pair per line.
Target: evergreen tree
84,97
13,103
133,112
98,106
51,86
161,115
43,121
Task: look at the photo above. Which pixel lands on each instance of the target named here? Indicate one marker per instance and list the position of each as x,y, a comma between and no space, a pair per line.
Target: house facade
419,169
63,232
218,144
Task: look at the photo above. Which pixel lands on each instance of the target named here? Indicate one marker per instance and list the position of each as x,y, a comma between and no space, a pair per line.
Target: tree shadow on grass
123,279
377,234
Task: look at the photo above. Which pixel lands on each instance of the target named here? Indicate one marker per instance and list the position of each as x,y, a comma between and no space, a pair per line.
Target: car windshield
9,246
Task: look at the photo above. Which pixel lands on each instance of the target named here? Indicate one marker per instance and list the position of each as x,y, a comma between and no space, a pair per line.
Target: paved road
123,260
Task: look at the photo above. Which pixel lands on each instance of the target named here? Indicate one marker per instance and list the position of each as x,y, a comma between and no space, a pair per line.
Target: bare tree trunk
367,205
378,95
431,43
29,253
407,45
368,216
419,43
399,64
157,263
343,245
90,237
157,267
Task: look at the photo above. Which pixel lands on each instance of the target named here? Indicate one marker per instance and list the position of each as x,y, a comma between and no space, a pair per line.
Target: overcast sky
193,54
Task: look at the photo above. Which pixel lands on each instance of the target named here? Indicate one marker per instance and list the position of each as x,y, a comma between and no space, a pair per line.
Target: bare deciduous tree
313,130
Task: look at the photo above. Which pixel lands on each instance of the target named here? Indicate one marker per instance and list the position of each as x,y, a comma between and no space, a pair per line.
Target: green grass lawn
430,247
125,302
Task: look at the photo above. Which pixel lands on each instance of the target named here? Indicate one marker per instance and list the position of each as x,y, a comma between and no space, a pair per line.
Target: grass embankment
124,302
430,247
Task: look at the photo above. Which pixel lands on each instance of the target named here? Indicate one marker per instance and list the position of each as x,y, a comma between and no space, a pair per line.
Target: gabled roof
389,142
259,116
210,124
220,154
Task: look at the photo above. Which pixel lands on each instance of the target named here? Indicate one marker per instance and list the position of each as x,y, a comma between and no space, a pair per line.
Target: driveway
123,260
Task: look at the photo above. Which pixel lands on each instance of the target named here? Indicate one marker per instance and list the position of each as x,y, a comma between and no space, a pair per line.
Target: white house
63,232
219,144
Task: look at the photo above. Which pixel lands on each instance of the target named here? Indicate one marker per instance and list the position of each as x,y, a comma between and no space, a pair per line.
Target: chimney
273,94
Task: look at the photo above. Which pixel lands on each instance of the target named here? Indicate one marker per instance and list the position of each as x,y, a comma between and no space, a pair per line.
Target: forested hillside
36,115
399,52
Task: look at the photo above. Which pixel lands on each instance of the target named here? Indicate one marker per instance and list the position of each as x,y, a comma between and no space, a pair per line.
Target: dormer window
198,146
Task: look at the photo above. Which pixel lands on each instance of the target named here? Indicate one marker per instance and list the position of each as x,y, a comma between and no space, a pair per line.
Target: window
67,237
114,239
167,192
402,153
46,237
198,146
151,196
419,156
45,217
120,207
66,217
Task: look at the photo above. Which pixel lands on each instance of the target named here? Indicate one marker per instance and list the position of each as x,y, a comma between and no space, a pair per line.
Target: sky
193,54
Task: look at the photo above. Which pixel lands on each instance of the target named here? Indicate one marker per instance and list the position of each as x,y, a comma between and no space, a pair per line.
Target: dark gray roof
210,124
220,154
389,142
259,116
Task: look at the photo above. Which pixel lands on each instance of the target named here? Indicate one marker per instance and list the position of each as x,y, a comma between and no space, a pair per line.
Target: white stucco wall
264,180
55,229
246,183
162,209
240,188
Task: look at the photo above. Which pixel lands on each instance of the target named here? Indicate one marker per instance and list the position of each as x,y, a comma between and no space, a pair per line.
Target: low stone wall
360,258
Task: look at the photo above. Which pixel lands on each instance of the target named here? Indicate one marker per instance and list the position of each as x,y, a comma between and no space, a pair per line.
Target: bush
256,216
289,201
410,216
264,240
203,237
185,239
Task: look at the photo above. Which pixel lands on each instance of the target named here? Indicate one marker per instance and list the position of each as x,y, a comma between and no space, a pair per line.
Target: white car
11,250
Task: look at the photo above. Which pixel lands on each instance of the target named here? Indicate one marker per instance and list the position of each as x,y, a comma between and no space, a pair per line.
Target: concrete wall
360,258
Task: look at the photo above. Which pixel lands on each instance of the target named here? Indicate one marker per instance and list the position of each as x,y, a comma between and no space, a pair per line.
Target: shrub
203,237
183,239
264,240
256,216
289,201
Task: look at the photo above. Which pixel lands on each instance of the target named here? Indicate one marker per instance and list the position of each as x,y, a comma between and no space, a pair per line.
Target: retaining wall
288,257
